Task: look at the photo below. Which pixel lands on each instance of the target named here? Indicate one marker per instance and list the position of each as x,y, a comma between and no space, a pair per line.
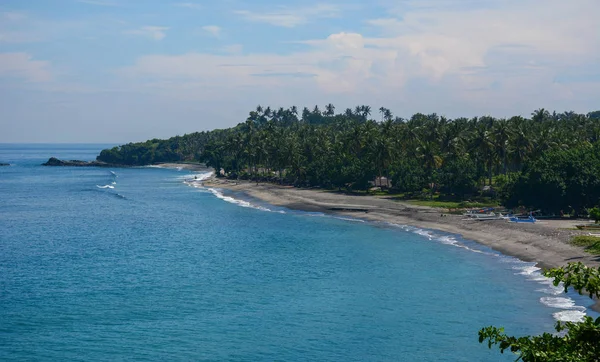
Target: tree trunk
504,160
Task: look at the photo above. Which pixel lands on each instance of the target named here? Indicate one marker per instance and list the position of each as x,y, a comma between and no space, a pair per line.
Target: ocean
146,264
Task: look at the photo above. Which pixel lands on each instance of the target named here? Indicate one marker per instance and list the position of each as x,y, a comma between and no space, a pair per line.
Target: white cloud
498,59
524,33
291,17
491,59
22,66
152,32
212,30
338,64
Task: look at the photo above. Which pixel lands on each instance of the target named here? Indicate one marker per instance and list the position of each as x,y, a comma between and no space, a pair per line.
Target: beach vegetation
595,214
589,242
517,161
452,204
574,341
570,175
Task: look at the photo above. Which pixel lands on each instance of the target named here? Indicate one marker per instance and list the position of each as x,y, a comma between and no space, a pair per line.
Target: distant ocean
144,263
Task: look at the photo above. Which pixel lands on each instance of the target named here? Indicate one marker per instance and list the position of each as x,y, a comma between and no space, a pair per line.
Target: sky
117,71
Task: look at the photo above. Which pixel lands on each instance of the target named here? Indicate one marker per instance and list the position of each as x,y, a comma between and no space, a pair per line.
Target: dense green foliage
175,149
590,243
575,341
521,159
570,175
595,214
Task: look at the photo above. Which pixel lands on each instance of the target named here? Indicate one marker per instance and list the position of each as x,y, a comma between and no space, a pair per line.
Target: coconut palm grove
514,161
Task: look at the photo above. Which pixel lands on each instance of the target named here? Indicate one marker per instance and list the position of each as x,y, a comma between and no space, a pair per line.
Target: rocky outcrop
53,161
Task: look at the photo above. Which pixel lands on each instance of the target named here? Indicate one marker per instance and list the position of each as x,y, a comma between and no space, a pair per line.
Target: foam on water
105,187
239,202
196,180
570,311
348,219
560,302
569,316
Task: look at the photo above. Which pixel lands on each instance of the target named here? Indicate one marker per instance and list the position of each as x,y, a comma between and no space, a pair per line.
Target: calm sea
141,263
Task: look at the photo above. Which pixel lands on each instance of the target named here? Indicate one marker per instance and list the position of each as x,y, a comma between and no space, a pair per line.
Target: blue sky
129,70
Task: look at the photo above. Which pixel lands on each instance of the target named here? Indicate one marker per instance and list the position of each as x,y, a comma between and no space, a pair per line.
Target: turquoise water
119,264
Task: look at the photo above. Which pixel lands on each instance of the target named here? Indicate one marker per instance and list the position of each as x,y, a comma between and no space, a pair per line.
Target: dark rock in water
53,161
4,164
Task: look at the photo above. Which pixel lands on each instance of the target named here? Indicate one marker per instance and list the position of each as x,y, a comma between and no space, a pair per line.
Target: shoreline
545,242
184,166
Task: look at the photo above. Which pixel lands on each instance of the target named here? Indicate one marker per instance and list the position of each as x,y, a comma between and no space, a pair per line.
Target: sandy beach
545,242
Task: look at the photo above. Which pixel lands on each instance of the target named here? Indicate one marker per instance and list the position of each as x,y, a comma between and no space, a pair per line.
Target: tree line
521,159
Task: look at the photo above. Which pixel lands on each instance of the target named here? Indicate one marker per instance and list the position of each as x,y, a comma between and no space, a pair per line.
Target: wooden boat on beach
478,212
485,216
491,216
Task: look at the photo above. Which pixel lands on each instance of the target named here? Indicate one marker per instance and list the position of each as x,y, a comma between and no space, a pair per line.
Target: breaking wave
569,311
196,180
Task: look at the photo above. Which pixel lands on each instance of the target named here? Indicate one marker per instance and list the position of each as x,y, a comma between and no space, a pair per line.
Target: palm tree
520,145
431,161
388,116
316,111
366,111
482,146
305,115
382,111
329,110
540,115
501,134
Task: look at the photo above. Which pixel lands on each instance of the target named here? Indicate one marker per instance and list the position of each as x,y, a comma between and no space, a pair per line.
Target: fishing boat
484,216
479,212
520,219
491,216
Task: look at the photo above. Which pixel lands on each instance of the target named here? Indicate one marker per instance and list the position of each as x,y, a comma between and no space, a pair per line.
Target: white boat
484,216
490,216
477,213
